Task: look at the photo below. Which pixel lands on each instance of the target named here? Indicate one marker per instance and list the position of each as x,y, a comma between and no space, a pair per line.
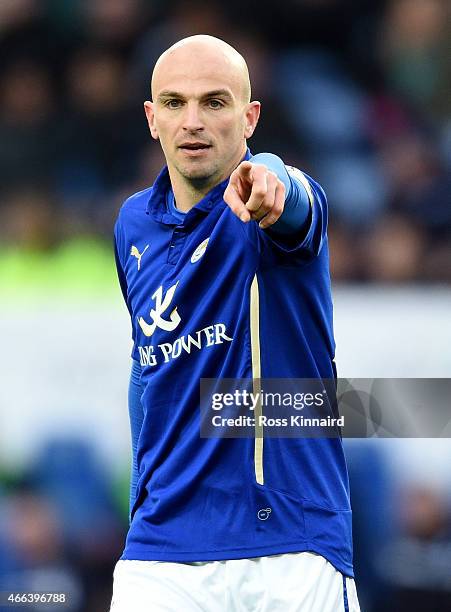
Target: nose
192,121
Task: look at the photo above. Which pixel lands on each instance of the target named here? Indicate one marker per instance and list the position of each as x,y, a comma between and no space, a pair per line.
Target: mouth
193,148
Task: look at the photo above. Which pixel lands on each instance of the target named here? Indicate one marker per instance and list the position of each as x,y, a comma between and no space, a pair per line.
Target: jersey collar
156,205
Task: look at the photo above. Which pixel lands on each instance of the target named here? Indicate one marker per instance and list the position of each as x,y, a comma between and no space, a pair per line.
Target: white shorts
291,582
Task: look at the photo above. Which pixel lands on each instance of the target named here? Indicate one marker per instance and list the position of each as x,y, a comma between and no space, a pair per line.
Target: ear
251,117
148,109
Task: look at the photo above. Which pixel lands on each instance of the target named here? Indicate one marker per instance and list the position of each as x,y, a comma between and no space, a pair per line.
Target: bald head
201,56
201,112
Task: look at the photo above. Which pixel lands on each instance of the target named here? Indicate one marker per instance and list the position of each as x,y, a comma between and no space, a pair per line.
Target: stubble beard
199,178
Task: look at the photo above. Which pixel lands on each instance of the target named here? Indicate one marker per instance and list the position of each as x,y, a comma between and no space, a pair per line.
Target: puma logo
135,253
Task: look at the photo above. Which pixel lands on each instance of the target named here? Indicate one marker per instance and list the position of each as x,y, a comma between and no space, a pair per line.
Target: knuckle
275,212
272,185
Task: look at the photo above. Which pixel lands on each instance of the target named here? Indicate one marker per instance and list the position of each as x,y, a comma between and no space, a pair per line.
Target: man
223,264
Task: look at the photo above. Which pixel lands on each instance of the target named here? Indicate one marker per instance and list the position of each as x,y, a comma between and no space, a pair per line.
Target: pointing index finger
259,187
233,200
245,169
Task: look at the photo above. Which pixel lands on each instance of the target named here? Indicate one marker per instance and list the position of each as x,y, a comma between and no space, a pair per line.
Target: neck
188,192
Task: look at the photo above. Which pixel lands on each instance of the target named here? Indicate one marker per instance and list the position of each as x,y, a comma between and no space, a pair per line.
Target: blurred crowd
62,528
355,93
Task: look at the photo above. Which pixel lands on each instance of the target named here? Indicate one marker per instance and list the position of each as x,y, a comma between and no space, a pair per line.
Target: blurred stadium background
358,94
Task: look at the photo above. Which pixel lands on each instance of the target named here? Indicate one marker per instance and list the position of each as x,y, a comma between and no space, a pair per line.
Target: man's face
200,115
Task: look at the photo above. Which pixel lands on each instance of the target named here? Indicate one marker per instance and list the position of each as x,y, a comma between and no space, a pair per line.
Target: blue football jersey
212,297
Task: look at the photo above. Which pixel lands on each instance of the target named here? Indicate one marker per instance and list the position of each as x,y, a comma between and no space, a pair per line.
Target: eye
173,103
213,103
